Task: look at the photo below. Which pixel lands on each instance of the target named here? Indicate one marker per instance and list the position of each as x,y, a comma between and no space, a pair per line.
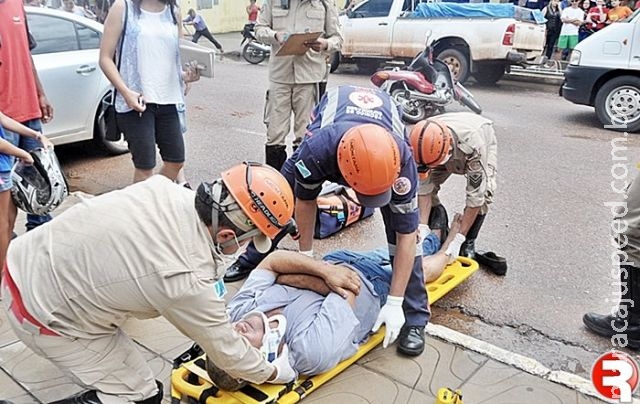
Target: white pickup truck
382,30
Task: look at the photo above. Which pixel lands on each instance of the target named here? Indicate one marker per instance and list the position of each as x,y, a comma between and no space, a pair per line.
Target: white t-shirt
571,13
157,62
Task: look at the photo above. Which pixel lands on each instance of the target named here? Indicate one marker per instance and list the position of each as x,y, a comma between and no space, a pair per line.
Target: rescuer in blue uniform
356,138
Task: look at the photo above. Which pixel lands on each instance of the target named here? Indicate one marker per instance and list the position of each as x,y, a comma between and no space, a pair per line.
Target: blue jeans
28,144
373,265
430,245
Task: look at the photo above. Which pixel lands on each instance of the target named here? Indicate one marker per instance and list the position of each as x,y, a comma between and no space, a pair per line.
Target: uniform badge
402,186
475,180
365,99
302,169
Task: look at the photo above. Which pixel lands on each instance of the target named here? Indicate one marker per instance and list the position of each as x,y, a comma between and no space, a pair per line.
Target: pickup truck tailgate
529,36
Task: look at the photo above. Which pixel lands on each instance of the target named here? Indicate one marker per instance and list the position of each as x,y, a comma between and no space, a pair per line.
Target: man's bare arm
313,283
338,278
302,281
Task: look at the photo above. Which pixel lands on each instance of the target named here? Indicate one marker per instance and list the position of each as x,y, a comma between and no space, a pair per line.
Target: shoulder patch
475,180
302,169
474,165
365,99
402,186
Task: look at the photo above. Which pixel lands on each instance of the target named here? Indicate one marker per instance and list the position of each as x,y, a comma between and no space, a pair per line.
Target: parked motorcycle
424,88
253,51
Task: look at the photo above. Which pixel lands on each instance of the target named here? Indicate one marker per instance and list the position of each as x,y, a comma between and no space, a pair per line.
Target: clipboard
204,56
294,45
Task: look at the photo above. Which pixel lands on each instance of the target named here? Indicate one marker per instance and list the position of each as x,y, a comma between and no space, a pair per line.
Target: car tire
489,73
113,148
617,104
457,62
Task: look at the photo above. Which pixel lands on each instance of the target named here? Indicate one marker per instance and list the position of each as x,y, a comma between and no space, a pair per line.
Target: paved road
549,217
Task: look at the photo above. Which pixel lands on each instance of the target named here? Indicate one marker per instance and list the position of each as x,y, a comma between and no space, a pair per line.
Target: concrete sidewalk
484,373
553,74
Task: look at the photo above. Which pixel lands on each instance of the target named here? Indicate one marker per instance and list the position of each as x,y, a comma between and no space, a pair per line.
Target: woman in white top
150,82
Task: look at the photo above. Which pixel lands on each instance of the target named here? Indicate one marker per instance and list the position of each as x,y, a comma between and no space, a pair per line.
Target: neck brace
272,336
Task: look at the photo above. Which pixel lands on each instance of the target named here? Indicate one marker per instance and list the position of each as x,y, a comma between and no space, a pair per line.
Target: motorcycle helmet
431,142
369,161
40,187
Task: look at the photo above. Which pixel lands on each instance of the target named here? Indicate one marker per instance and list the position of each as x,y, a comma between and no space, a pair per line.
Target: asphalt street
549,217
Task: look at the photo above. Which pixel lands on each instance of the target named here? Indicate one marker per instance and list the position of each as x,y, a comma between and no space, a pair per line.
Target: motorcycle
253,51
424,88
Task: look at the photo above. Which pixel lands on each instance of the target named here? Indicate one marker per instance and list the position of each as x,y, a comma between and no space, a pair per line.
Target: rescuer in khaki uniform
152,249
457,143
294,79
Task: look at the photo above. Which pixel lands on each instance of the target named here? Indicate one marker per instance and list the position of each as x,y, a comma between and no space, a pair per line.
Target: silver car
66,58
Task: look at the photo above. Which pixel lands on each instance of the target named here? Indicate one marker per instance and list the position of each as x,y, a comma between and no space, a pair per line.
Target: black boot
411,340
237,271
91,397
627,319
275,156
468,248
86,397
439,220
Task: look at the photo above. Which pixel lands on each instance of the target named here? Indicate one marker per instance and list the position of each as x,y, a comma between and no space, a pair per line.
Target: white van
604,72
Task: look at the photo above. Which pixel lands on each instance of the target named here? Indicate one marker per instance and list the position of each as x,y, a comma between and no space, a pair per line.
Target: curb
518,361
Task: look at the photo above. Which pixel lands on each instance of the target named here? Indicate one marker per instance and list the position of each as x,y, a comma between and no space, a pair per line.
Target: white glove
454,247
284,371
307,253
392,316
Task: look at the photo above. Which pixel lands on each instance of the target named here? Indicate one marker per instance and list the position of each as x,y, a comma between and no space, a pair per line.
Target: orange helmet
263,194
431,142
369,161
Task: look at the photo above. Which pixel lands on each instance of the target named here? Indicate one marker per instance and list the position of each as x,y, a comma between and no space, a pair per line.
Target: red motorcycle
424,88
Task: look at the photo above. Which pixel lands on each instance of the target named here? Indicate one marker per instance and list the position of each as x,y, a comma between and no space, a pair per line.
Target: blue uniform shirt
316,159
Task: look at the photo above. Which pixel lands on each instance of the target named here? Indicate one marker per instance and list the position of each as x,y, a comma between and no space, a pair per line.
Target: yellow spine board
452,276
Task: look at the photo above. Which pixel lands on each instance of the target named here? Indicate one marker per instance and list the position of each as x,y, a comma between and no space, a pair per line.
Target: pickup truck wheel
457,62
489,73
334,62
618,103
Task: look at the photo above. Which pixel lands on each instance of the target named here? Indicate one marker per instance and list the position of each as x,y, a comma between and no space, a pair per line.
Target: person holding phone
151,82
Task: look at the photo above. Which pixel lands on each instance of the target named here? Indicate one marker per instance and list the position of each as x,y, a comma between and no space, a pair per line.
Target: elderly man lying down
321,311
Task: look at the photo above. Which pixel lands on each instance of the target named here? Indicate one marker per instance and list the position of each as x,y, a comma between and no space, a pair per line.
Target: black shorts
158,125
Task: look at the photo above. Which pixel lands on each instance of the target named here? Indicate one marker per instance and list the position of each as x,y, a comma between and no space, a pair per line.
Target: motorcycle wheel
466,99
412,112
253,55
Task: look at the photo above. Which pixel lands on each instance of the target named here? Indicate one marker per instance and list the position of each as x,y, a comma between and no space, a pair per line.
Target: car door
66,58
367,30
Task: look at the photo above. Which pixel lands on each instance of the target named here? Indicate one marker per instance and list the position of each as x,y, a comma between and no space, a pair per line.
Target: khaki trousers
111,364
283,100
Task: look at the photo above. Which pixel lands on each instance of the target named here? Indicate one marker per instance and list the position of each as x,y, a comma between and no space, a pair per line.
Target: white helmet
41,187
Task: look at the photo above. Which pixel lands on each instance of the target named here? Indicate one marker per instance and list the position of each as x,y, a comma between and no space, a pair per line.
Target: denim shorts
159,125
5,181
374,266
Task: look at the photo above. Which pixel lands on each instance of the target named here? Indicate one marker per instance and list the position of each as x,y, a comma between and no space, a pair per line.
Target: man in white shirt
572,18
